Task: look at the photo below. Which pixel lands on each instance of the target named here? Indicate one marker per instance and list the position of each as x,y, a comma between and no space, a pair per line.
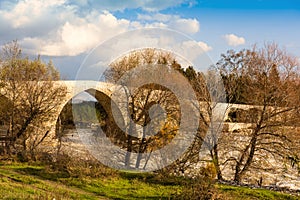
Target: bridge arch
103,98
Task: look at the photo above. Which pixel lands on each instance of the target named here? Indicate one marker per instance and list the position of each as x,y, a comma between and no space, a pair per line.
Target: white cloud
233,40
121,5
194,53
186,51
79,35
62,28
190,44
27,11
32,18
115,5
156,17
205,46
155,25
190,26
186,25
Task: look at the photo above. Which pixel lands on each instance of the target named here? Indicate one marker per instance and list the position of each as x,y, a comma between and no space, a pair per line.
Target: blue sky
66,32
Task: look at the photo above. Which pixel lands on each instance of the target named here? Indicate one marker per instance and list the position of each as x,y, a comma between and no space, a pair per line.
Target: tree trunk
141,147
128,152
216,162
129,145
240,172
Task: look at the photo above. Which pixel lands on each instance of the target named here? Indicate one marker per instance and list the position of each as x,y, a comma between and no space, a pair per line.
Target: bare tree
267,80
141,100
211,98
35,98
209,93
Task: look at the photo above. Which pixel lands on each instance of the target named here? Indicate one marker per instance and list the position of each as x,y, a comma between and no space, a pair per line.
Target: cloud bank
65,28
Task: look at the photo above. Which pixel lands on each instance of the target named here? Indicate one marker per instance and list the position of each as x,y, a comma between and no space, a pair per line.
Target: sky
66,31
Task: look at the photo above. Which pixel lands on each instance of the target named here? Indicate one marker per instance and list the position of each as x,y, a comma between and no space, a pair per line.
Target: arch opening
89,110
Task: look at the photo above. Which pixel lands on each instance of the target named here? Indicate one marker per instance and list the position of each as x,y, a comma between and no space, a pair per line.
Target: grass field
25,181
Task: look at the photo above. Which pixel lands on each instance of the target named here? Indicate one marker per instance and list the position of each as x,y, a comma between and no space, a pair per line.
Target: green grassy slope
23,181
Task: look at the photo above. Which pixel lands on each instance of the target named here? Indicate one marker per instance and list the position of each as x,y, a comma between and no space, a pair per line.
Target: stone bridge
101,91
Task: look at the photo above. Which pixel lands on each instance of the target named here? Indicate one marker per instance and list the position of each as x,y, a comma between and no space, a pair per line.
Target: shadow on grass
43,173
154,178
